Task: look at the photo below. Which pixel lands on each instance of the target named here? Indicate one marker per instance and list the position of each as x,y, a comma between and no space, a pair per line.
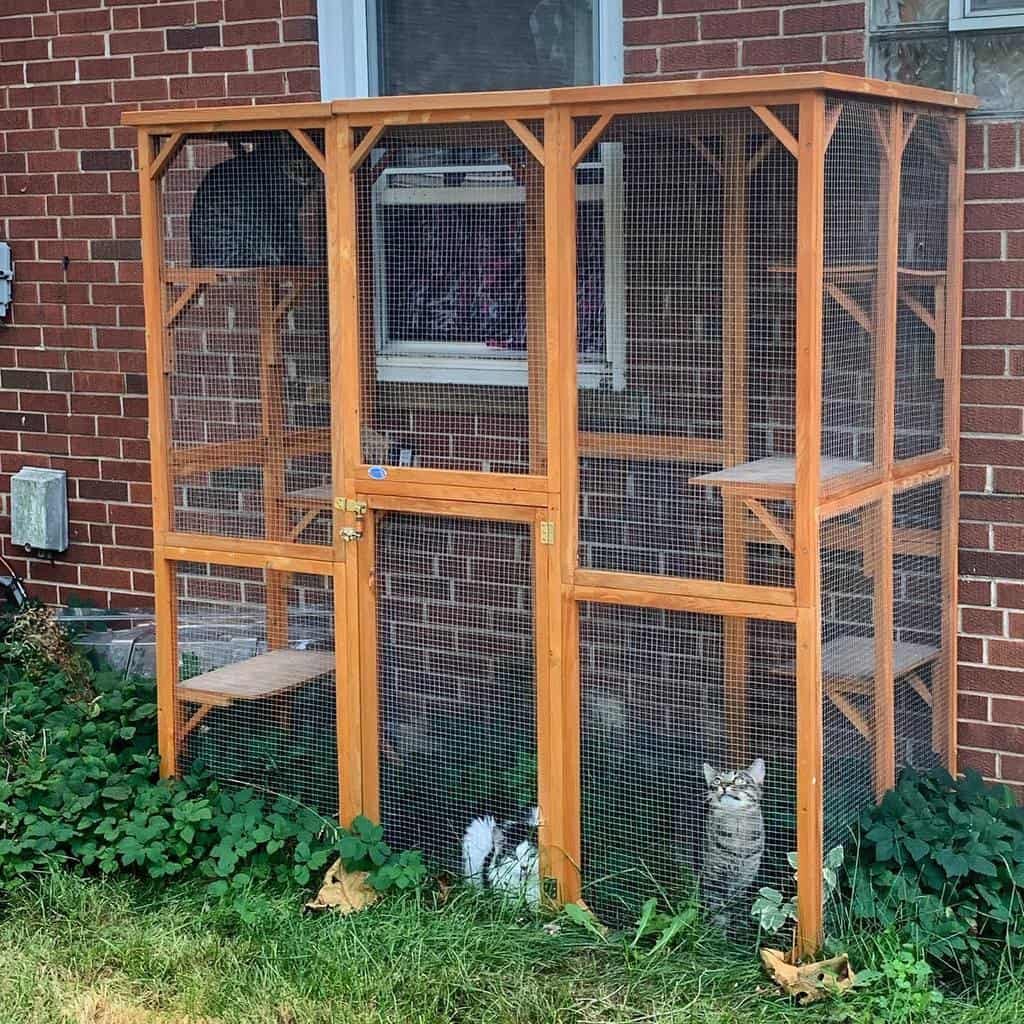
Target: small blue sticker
377,472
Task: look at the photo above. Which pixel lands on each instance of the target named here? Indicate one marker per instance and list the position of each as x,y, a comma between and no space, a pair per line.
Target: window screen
483,45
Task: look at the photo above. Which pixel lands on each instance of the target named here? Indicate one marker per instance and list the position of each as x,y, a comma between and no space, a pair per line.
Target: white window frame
347,33
454,362
347,39
962,18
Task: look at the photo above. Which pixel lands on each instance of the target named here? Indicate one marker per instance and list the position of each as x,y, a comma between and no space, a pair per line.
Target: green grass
91,952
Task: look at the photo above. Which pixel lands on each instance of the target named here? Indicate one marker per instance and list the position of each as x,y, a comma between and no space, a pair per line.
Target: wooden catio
535,449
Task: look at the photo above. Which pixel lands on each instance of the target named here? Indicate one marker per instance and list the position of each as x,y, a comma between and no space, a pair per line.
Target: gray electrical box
6,277
39,509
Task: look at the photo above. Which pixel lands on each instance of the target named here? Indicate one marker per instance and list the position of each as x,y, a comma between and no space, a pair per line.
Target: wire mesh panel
457,700
852,686
246,336
688,780
923,246
685,311
921,610
452,297
256,680
854,208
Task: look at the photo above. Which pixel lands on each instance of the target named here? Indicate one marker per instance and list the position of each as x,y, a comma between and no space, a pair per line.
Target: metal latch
358,508
351,533
547,532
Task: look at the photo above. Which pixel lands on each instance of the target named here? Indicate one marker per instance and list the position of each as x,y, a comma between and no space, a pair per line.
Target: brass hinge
350,505
547,532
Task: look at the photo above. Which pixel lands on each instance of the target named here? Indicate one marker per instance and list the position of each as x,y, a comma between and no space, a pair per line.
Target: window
448,223
950,44
387,47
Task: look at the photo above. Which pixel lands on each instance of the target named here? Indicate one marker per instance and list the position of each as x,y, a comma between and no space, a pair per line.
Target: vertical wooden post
166,599
951,423
562,788
734,426
363,594
809,285
337,146
272,414
879,542
890,138
160,443
346,394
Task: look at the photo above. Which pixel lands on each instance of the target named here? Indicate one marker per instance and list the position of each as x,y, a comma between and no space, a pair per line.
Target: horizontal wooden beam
280,555
685,603
459,509
644,447
672,586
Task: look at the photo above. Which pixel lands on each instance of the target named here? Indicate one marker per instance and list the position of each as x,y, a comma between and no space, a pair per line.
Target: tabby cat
733,838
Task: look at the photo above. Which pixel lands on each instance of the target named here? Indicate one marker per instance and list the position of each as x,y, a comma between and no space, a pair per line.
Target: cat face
735,790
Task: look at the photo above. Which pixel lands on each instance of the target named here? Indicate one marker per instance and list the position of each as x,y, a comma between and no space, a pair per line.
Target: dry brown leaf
344,891
808,983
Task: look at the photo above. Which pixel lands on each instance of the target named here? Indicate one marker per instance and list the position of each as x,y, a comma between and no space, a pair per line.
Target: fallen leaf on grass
344,891
808,983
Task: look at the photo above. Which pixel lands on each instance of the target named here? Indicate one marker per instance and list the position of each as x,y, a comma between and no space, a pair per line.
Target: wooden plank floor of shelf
773,477
848,668
267,675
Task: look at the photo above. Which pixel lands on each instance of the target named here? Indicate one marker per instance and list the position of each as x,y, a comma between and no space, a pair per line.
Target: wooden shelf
311,497
852,658
266,675
774,477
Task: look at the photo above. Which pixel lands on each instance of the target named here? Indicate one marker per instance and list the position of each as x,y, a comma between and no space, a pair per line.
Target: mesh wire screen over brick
456,678
654,710
452,299
853,205
923,248
244,247
256,680
850,553
686,305
922,694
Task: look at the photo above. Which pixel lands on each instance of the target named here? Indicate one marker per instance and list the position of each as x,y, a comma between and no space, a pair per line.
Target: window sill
480,371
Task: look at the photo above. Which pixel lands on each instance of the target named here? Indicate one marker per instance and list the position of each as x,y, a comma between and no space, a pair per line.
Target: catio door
448,667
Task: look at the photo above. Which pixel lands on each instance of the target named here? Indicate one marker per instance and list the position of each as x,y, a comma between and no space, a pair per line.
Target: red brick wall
674,38
72,385
72,356
992,454
700,38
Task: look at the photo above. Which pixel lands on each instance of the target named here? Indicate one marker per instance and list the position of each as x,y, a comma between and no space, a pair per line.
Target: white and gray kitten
503,856
733,838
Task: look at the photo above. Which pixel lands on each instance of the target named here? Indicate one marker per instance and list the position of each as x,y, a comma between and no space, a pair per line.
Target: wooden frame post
890,132
809,285
160,441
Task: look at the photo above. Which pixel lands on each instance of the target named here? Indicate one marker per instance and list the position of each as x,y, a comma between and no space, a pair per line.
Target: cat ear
756,770
709,773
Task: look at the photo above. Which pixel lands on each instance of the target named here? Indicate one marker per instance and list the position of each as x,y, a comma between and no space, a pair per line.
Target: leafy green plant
363,848
901,990
942,860
664,928
773,911
81,789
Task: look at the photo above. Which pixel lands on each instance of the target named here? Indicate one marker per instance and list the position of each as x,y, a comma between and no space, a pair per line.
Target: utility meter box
39,509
